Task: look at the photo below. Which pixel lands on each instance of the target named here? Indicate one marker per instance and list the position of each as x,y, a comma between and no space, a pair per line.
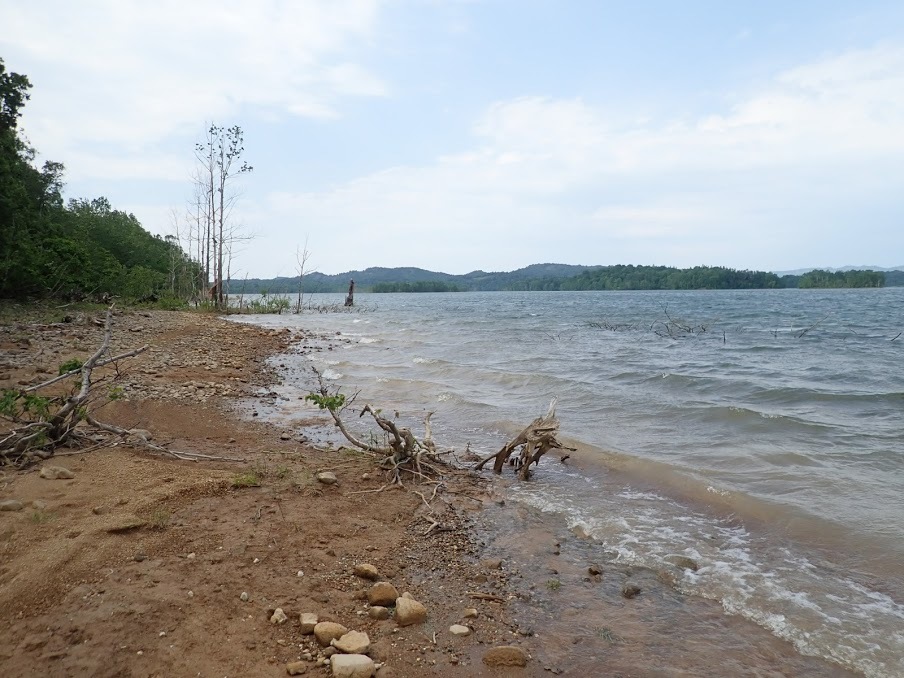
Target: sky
457,135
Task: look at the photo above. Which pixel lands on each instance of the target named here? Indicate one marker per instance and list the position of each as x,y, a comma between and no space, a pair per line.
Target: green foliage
70,365
247,479
838,279
553,584
333,403
16,403
41,516
160,519
115,393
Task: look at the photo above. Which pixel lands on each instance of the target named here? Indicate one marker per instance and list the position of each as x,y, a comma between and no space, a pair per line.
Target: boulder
505,655
353,642
382,593
352,666
409,611
325,632
307,620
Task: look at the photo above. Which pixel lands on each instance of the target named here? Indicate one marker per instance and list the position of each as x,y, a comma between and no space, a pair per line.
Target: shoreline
291,522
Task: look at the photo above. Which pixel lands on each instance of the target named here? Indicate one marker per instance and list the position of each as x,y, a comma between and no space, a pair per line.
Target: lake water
760,433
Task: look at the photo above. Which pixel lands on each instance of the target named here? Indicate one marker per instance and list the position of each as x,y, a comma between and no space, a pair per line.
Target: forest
85,249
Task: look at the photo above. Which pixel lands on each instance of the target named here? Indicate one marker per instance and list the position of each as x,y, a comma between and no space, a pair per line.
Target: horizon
487,134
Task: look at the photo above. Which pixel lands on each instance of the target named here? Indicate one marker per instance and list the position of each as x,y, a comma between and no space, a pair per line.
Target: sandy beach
145,565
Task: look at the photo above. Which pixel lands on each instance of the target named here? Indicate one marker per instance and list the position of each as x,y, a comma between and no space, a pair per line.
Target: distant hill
366,279
550,277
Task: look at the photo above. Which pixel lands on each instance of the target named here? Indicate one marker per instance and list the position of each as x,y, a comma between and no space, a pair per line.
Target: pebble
325,632
327,478
11,505
279,617
595,570
459,630
470,612
367,571
245,597
378,612
630,590
56,473
351,666
353,642
296,668
307,620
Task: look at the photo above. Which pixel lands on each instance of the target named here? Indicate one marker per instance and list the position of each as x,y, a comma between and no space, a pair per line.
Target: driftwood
538,438
350,299
38,433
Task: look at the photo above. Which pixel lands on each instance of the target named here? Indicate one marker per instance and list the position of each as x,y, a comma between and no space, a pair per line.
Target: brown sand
136,566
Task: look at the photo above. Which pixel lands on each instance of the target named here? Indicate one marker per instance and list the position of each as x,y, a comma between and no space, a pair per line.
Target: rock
244,597
307,620
325,632
367,571
492,564
595,570
39,505
353,642
630,590
382,593
56,473
126,523
142,433
327,478
285,436
459,630
352,666
296,668
409,611
505,655
140,557
378,612
470,612
386,672
11,505
279,617
682,561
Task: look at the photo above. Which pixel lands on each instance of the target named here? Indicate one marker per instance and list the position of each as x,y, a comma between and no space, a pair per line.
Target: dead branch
538,438
99,363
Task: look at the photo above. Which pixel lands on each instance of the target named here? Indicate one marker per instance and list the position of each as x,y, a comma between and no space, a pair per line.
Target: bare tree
302,255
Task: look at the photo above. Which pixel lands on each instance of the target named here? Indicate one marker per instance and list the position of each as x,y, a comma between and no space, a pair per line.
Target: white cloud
130,75
560,179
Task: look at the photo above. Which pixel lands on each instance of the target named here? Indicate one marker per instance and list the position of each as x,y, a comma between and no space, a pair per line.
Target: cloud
130,75
561,179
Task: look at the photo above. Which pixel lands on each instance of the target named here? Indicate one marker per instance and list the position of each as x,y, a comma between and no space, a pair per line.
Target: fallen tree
538,438
35,430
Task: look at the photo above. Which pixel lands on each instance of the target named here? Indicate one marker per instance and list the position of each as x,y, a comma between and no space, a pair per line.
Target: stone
56,473
142,433
682,561
126,523
279,617
352,666
470,612
244,597
367,571
409,611
11,505
353,642
307,621
296,668
386,672
382,593
378,612
595,570
329,652
325,632
492,564
39,505
327,478
630,590
285,436
505,655
459,630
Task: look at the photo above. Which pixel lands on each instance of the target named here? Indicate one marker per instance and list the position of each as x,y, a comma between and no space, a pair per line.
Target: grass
160,519
553,584
40,517
247,479
606,634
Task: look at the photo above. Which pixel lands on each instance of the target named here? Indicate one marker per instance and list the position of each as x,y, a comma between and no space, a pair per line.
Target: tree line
417,286
82,249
